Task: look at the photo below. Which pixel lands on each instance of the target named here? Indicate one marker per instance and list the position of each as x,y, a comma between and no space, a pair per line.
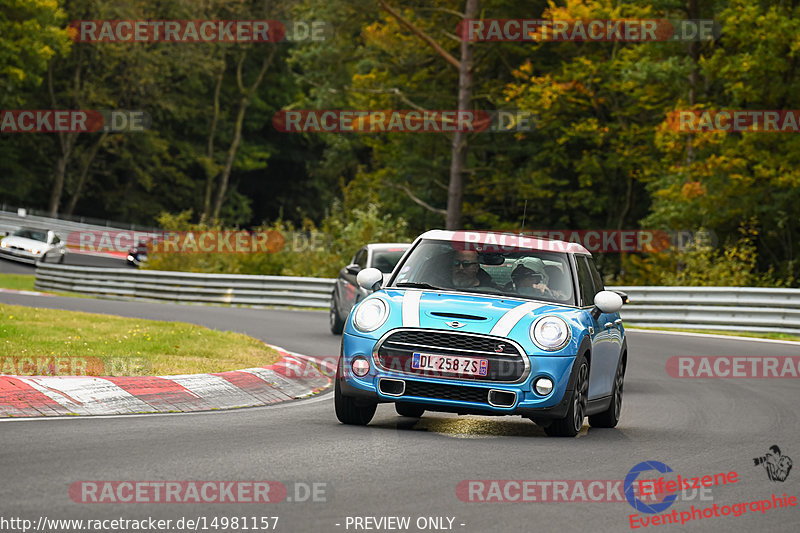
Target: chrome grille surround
459,344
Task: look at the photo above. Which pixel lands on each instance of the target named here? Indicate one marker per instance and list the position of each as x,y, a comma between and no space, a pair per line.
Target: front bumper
20,255
458,395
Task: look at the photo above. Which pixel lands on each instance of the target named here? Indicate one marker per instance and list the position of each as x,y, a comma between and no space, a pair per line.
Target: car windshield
520,273
31,234
385,260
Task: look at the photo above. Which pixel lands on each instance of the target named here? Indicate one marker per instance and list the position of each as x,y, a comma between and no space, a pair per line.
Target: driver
466,272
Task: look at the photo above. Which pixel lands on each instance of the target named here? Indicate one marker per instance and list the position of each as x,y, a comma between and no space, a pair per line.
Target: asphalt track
403,467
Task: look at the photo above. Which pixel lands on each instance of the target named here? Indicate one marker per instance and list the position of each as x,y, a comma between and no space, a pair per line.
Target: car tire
61,259
570,425
610,417
335,321
348,410
409,409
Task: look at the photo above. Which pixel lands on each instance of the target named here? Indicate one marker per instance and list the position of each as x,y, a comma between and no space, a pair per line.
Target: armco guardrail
10,221
724,308
236,289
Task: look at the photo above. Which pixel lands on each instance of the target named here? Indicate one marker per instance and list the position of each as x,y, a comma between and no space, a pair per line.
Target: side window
585,281
56,240
361,258
598,279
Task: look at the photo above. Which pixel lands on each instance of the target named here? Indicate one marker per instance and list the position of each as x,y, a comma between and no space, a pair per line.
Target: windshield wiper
418,285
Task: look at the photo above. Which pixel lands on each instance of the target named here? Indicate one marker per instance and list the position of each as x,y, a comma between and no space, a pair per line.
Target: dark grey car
346,292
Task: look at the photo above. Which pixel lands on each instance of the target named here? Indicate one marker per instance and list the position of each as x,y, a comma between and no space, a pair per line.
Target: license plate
471,366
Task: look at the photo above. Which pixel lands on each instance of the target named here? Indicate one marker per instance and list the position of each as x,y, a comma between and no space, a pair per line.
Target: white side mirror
608,301
370,279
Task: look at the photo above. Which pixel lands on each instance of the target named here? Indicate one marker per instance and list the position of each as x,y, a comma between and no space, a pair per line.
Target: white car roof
501,240
383,245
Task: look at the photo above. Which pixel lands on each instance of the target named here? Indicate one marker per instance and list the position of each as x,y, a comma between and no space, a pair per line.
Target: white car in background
32,245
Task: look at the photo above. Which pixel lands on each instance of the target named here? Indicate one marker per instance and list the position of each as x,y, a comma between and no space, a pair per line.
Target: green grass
124,346
20,282
25,282
755,335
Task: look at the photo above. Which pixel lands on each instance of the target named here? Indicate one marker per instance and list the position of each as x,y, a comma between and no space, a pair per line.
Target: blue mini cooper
487,324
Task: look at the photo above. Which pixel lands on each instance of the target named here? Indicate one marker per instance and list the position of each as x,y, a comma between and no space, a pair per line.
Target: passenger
528,282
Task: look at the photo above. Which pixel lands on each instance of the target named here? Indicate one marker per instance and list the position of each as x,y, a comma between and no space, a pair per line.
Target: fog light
543,386
360,366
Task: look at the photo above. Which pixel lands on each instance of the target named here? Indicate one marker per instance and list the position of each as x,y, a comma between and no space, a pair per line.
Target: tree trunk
66,141
60,172
85,173
458,160
211,166
247,95
692,12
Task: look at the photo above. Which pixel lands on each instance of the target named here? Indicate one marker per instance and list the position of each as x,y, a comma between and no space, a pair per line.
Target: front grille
453,342
447,392
506,362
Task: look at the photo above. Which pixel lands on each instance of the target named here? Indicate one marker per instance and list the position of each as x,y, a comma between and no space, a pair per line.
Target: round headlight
371,315
550,333
543,386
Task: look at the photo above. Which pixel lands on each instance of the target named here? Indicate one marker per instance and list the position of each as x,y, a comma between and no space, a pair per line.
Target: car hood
472,313
23,242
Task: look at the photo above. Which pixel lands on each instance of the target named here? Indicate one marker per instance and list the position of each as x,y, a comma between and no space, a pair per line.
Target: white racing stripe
411,300
507,322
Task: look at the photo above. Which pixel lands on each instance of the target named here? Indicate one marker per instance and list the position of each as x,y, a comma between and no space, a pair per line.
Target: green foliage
307,250
33,33
701,264
601,155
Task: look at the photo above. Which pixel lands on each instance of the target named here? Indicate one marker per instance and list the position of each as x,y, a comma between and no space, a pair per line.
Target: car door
606,338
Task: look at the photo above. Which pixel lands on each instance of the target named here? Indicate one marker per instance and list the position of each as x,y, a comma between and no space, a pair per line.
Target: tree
33,34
